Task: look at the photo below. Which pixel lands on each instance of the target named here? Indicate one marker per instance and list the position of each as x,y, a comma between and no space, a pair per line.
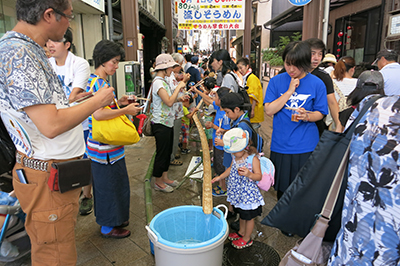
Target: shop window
351,38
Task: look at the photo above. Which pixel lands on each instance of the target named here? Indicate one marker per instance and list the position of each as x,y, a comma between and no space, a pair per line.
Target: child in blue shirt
220,121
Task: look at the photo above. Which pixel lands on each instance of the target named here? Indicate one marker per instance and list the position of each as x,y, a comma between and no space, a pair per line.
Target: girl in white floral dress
243,192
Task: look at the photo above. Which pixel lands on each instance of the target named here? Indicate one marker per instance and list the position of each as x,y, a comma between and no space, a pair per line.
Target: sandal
176,162
240,243
234,236
218,191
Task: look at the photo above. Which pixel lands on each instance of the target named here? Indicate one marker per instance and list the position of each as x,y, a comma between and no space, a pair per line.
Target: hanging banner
299,2
211,14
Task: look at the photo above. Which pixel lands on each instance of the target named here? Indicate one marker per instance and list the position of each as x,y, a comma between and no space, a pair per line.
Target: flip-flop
176,162
234,236
240,243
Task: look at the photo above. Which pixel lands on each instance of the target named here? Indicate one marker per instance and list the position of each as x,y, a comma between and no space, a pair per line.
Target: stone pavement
93,250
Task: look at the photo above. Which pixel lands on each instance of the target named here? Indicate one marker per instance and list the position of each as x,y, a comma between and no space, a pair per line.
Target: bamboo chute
207,201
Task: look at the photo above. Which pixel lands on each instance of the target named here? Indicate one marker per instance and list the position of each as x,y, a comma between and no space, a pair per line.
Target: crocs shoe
86,206
234,236
218,191
241,244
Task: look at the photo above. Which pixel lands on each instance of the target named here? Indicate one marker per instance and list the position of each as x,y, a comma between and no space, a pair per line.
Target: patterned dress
243,192
370,230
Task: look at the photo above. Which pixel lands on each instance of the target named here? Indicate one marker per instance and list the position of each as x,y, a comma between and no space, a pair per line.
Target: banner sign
299,2
211,14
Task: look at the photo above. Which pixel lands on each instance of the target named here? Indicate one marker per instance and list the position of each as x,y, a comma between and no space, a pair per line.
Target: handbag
116,131
147,129
312,250
7,150
304,198
65,176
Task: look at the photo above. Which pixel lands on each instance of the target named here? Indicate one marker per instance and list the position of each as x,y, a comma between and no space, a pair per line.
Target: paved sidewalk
93,250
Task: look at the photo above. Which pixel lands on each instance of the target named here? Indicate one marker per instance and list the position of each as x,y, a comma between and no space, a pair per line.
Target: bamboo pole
207,201
148,190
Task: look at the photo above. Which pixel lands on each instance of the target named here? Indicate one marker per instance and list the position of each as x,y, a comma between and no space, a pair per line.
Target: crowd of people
314,92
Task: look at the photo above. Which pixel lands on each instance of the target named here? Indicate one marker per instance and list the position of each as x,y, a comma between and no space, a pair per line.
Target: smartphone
21,176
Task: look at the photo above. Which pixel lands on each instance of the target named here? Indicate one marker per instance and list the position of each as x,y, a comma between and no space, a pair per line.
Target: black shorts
248,214
218,161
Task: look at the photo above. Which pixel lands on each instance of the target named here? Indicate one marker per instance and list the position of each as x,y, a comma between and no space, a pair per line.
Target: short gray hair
31,11
178,58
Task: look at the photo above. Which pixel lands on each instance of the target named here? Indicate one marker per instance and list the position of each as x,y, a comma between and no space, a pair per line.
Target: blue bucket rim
189,246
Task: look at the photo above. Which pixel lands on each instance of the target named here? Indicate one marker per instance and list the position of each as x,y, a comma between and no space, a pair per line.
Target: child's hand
243,171
219,131
215,179
208,124
219,142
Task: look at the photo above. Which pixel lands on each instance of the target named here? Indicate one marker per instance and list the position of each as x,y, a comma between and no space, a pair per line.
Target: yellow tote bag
116,131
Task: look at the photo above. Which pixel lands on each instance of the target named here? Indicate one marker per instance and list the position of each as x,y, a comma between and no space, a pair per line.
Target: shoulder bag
116,131
312,250
146,129
7,150
304,198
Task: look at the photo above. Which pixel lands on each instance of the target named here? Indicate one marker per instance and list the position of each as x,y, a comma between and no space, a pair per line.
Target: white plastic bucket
184,236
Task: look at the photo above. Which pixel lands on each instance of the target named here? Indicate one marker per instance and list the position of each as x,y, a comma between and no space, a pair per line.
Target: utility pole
130,26
247,29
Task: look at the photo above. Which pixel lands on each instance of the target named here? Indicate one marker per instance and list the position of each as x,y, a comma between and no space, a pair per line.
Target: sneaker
167,189
86,206
185,151
173,184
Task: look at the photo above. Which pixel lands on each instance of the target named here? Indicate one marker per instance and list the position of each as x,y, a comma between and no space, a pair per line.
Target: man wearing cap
386,61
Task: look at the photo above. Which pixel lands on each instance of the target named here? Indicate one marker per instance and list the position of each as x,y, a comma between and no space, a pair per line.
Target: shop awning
292,14
295,13
150,18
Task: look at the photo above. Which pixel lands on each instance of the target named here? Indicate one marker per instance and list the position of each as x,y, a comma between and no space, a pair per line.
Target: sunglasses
69,17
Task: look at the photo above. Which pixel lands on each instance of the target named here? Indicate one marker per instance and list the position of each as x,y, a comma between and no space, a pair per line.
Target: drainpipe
325,22
112,37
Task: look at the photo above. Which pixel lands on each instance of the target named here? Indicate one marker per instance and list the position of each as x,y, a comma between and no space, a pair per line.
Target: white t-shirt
73,74
162,113
346,86
178,107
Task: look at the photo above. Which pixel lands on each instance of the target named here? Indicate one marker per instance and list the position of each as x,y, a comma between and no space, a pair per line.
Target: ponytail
343,65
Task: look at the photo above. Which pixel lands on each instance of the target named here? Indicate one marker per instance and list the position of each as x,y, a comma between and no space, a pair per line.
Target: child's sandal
240,243
234,236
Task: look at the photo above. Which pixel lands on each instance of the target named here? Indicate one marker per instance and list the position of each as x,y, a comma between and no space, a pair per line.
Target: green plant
273,55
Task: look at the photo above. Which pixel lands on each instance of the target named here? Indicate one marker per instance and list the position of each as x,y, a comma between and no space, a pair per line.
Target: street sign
299,2
211,15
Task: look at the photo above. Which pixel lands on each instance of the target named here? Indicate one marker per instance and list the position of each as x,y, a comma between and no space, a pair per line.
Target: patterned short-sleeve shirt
370,230
27,79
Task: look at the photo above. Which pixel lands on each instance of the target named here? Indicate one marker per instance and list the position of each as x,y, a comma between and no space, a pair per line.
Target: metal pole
325,22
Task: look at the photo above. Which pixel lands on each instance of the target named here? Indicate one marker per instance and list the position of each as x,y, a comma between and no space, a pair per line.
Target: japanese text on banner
211,14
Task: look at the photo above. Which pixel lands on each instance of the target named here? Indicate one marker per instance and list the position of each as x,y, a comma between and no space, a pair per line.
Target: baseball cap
194,59
370,79
386,54
235,140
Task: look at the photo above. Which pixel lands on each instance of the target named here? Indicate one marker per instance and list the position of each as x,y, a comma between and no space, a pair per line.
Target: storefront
87,26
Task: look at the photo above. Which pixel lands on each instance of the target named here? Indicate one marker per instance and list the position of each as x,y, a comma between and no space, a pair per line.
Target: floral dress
370,230
243,192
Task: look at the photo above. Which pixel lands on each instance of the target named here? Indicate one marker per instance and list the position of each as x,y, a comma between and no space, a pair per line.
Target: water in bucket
188,227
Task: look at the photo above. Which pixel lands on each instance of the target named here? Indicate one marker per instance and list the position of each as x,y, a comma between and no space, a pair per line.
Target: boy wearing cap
387,63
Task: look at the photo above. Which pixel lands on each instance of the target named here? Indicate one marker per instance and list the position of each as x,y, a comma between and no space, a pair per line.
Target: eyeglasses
69,17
